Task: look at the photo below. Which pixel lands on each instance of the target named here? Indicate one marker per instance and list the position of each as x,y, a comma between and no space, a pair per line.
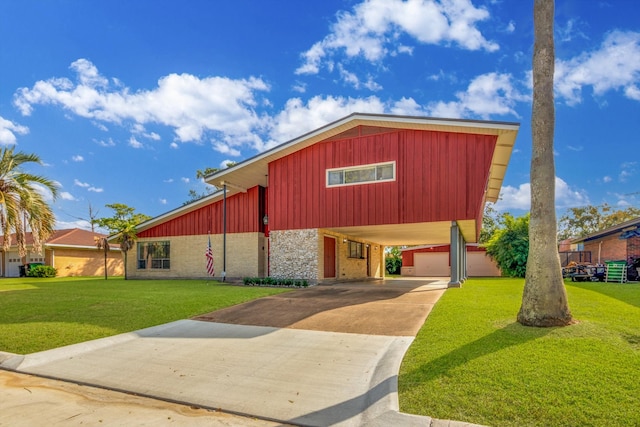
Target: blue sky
125,100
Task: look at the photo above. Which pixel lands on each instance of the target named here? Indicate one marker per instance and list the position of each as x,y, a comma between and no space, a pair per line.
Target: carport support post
454,254
224,232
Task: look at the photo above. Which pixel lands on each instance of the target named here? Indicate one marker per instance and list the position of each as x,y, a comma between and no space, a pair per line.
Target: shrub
42,271
271,281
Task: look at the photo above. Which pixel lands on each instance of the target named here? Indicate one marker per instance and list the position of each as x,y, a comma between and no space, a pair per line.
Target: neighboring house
323,206
72,252
435,261
617,243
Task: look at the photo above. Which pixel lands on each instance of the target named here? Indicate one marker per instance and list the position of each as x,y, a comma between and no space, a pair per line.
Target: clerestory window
365,174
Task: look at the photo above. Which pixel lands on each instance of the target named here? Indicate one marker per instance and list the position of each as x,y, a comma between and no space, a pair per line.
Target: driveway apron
328,355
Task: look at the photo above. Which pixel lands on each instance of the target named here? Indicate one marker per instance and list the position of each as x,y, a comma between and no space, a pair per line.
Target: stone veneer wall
294,254
245,257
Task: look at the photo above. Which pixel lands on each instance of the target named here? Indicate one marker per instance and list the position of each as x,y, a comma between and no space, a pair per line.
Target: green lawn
40,314
472,362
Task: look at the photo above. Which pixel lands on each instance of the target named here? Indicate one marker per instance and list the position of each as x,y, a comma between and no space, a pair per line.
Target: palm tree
127,240
102,243
22,205
544,300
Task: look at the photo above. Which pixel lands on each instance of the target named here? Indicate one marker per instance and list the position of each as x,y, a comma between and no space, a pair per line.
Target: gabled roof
609,231
72,237
253,171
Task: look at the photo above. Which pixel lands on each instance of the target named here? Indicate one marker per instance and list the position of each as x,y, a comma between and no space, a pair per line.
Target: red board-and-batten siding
440,176
244,215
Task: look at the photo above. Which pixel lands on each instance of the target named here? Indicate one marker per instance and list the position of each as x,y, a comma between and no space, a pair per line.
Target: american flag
209,256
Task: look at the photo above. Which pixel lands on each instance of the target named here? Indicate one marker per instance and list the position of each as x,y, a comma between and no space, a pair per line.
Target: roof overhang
424,233
254,171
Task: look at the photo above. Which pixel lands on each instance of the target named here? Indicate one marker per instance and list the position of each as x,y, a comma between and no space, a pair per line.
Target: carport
323,206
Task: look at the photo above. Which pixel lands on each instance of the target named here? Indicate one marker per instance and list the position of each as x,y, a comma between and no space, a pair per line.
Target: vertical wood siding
439,176
244,215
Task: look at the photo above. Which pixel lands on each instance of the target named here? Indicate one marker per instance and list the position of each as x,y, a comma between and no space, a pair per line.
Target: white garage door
13,263
434,264
480,264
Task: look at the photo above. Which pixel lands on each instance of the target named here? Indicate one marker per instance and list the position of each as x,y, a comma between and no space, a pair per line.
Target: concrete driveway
328,355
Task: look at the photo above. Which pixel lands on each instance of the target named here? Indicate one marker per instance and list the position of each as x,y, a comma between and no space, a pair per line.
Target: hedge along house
324,205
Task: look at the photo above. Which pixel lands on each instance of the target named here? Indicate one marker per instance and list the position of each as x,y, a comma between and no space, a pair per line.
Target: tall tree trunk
544,300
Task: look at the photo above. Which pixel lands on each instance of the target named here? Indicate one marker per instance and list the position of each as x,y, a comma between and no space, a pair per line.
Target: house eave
254,171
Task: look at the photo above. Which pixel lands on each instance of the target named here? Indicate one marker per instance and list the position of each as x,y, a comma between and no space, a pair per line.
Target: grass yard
40,314
472,362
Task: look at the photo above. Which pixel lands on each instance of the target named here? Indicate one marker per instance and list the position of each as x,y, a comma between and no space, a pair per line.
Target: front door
329,257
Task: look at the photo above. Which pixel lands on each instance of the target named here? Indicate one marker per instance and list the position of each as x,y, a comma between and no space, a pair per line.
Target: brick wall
352,268
245,257
612,249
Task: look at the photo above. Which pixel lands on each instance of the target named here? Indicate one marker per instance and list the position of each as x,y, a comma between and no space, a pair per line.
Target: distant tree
544,299
492,220
581,221
201,174
102,243
509,245
91,220
123,224
393,260
22,207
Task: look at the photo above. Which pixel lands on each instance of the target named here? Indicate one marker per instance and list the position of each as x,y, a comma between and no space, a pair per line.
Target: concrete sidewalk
298,376
302,377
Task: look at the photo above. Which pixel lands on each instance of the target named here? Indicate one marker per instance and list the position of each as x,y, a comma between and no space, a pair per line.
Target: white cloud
615,65
607,179
44,192
223,148
185,180
95,189
108,143
174,145
163,201
627,170
77,158
298,118
65,195
574,148
486,95
133,142
8,131
372,29
80,183
299,87
64,225
168,181
186,103
520,197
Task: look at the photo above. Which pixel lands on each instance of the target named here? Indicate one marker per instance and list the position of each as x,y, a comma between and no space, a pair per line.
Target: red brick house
72,252
324,205
607,245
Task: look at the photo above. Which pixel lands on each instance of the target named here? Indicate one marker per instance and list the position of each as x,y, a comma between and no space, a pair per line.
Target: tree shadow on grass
628,293
511,335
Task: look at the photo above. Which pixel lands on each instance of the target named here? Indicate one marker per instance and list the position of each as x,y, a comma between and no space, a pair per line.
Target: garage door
434,264
13,263
481,265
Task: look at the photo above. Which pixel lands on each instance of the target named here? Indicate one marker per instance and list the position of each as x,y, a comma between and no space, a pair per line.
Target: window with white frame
154,255
365,174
